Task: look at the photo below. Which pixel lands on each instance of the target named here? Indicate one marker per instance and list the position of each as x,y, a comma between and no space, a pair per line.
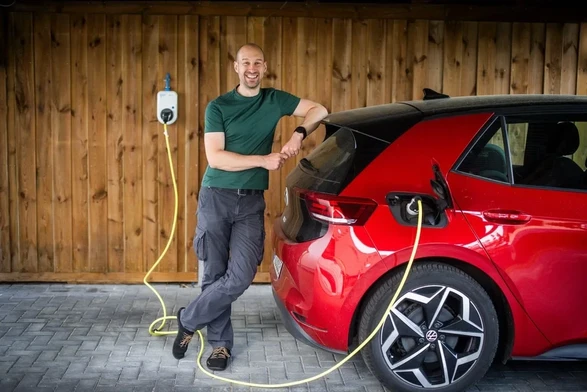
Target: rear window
336,161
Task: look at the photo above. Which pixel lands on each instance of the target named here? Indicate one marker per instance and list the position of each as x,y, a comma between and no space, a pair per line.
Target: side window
487,158
548,152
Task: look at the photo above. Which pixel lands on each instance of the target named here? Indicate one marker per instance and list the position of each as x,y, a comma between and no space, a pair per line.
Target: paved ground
95,338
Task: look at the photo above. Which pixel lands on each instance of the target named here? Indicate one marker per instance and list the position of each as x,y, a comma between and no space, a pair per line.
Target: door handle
507,217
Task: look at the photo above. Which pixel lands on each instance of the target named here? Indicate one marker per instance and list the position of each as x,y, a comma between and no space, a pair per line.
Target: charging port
404,207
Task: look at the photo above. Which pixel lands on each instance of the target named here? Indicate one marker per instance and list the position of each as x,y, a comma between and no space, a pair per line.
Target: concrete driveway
56,337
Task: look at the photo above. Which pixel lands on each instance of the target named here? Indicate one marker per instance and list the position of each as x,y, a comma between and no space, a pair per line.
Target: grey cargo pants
229,240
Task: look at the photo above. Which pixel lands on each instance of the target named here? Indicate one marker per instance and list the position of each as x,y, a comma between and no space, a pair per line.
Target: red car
501,265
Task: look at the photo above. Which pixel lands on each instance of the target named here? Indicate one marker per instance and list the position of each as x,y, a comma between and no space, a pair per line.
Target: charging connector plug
412,207
166,115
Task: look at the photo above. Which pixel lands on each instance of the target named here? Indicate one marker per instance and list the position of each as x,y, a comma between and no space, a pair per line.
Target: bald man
230,234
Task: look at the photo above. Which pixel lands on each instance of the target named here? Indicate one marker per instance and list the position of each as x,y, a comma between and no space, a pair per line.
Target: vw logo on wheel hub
431,336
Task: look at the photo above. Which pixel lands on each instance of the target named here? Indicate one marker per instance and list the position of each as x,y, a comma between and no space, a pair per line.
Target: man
230,233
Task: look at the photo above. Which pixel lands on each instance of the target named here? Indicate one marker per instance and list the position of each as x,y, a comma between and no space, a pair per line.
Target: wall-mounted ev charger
167,104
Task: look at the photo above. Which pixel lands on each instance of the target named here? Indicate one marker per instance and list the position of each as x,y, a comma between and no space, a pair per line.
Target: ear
235,66
264,66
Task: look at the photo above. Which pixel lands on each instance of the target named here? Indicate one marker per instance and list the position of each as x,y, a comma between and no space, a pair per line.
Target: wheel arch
502,307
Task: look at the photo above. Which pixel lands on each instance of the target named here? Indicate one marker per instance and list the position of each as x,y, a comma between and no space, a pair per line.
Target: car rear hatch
353,140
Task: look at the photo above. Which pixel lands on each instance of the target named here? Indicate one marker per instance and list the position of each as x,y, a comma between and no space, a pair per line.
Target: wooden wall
86,194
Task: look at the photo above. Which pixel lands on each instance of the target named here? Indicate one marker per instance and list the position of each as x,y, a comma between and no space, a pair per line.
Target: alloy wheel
432,336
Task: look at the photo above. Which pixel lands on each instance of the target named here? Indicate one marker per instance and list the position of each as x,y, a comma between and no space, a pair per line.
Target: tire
419,358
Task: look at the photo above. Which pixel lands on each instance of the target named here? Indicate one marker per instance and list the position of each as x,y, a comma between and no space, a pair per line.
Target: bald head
250,50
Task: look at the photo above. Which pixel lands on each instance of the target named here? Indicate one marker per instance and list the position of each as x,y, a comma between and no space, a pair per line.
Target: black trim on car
506,143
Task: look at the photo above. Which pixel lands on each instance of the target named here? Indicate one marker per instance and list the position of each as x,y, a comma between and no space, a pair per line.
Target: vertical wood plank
417,54
188,78
235,29
115,35
375,49
324,61
224,53
25,128
453,52
44,141
521,38
359,64
79,140
435,54
255,28
151,84
61,127
536,60
132,144
341,64
390,56
486,58
570,45
13,148
503,47
5,217
553,53
582,61
289,69
469,60
272,48
209,74
323,73
167,64
307,75
97,128
402,65
179,87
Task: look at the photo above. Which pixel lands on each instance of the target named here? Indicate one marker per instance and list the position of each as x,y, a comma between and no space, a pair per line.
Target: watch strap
301,130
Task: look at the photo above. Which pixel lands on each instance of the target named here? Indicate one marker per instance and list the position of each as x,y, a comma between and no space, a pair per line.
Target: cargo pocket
200,245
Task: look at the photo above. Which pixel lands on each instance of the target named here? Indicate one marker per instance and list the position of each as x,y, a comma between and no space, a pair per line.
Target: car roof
439,105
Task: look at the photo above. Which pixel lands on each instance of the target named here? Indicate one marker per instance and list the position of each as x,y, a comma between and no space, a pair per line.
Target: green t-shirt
249,125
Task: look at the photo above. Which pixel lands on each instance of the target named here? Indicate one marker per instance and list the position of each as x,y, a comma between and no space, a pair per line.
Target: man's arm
219,158
313,113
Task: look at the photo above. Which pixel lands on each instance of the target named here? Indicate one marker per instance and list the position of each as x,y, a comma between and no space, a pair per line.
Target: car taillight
336,209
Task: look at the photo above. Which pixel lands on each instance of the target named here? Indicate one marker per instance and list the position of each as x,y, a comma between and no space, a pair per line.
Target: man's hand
274,160
293,146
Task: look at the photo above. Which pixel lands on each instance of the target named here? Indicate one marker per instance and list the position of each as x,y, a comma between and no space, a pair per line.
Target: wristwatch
301,130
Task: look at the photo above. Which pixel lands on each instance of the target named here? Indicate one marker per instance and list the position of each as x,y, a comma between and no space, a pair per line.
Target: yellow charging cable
158,332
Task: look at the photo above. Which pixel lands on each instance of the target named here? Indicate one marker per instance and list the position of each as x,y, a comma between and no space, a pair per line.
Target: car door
521,188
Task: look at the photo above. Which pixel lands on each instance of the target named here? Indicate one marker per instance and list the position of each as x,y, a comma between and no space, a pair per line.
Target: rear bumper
321,283
296,330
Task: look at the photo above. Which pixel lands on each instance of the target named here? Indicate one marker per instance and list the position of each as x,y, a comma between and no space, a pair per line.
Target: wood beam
505,13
